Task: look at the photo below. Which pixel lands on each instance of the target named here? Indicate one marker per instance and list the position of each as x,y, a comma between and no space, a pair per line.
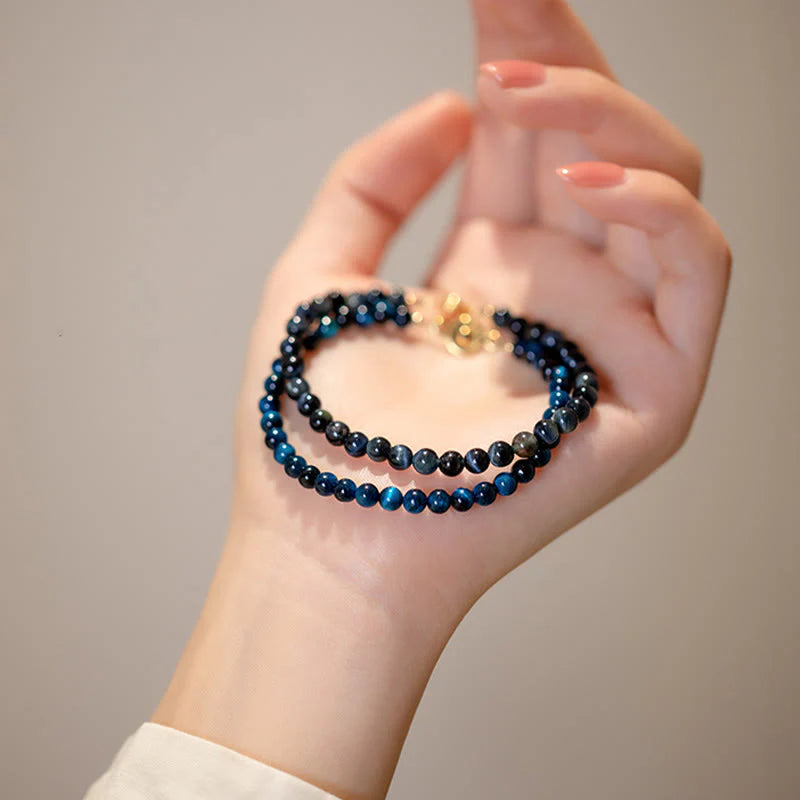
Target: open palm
625,261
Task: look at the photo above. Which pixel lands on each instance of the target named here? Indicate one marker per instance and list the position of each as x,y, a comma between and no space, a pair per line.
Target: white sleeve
161,763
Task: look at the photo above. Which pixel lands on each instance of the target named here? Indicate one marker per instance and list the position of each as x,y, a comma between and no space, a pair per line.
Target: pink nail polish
515,74
592,174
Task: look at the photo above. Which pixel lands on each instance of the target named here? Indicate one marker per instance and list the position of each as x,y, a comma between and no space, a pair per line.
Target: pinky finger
692,255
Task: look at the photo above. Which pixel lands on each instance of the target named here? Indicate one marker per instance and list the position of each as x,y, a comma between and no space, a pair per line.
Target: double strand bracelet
573,392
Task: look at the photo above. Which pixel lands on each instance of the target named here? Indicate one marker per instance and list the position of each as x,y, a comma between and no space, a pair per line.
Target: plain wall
155,158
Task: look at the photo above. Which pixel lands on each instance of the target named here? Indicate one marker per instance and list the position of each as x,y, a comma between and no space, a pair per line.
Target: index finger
547,31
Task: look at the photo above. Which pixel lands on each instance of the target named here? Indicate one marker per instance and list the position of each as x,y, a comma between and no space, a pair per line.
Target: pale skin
325,620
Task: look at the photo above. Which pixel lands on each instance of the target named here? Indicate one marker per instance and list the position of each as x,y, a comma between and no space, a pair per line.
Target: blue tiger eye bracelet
573,392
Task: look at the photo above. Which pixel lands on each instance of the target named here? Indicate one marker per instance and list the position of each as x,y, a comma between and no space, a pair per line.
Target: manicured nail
592,174
515,74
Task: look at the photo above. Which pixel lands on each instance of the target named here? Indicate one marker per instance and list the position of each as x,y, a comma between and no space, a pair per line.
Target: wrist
303,667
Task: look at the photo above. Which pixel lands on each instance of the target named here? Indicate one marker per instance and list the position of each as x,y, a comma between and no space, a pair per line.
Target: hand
623,259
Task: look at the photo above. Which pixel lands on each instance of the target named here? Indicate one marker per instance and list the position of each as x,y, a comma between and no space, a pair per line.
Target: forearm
301,668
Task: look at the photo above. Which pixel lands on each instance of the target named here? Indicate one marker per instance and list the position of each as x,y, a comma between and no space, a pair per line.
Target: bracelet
573,392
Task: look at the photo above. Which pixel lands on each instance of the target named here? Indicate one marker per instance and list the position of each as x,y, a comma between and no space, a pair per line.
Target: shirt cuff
161,763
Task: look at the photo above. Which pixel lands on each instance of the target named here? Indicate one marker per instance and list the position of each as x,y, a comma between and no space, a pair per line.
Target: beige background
155,158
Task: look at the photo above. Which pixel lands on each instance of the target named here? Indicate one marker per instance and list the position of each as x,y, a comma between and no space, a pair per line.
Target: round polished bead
297,325
525,444
552,339
283,451
367,495
501,453
533,351
402,316
485,494
327,327
391,498
273,384
378,448
277,367
505,483
588,393
559,384
566,419
307,404
581,408
451,463
519,349
271,419
356,444
560,372
294,466
548,413
517,326
345,490
502,317
438,501
536,330
296,386
558,398
274,437
336,432
269,402
320,419
523,470
325,484
308,477
400,456
425,461
290,346
477,460
586,379
546,432
292,366
415,501
541,457
462,499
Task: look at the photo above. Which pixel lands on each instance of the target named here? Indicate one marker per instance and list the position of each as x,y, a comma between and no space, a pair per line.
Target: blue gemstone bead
546,431
400,456
307,404
523,470
345,491
505,483
391,498
425,461
325,484
559,383
356,444
533,351
566,419
477,460
462,499
274,437
581,407
402,317
438,501
586,379
271,419
273,384
501,453
283,451
327,328
587,392
277,367
364,317
367,495
296,387
268,403
294,466
560,372
414,501
308,476
378,448
548,413
558,398
484,493
541,457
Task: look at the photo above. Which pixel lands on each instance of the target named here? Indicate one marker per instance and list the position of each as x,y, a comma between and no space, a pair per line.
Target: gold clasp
464,330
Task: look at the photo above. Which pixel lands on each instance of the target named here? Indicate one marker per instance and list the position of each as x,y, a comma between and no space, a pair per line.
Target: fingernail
592,174
515,74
